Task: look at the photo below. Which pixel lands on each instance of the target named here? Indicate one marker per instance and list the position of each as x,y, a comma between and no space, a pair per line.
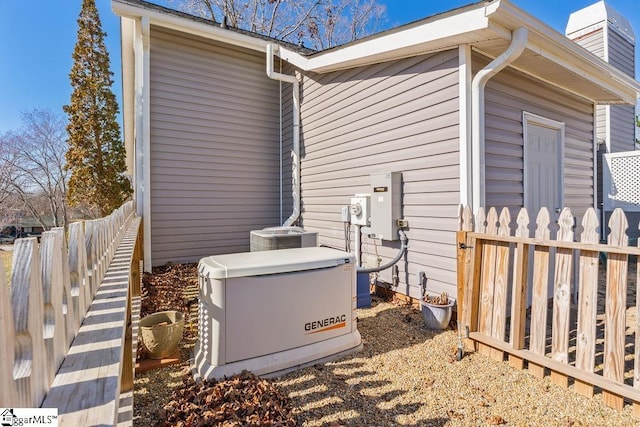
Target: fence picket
587,302
482,308
42,309
519,290
463,261
498,322
562,297
537,342
616,300
468,279
26,303
90,253
7,338
77,273
487,282
52,288
480,222
68,312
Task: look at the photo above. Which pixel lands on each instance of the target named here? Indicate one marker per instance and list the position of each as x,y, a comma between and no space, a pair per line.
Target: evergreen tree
96,154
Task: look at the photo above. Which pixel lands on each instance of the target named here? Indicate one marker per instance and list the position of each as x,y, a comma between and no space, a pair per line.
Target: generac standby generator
269,311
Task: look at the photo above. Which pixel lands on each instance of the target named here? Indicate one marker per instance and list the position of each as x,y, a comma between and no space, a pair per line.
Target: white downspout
295,154
518,43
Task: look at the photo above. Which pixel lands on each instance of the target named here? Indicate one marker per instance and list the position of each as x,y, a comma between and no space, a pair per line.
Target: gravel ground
407,375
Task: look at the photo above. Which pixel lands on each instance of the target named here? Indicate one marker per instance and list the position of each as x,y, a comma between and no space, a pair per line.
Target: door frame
530,118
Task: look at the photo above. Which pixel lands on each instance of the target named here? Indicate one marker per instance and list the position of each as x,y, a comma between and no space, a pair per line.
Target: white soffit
554,58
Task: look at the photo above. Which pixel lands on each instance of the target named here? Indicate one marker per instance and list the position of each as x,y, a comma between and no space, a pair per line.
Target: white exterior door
543,160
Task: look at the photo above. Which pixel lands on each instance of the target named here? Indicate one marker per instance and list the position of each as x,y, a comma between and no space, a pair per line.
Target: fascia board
552,45
189,26
435,33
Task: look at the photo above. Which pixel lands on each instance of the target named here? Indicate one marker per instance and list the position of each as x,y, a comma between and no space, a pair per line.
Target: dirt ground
404,375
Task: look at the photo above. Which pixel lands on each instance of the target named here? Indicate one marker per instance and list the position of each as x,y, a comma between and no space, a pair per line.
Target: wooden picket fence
64,321
501,266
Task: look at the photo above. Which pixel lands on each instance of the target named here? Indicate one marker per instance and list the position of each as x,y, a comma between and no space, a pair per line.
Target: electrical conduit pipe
519,39
403,249
295,153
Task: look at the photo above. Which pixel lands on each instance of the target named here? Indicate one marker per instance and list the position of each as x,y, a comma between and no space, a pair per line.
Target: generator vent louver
273,238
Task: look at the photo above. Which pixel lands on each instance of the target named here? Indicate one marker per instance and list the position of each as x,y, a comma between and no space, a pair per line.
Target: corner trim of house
143,128
595,158
464,87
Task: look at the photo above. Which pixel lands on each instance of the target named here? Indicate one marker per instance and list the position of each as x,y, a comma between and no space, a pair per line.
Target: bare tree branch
317,23
32,173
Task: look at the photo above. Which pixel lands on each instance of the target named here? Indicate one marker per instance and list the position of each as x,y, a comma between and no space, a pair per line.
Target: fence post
538,332
500,287
587,302
52,287
520,277
463,259
7,338
562,297
487,282
616,304
26,303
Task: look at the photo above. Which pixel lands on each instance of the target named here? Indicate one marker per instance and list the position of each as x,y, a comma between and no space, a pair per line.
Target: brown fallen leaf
495,420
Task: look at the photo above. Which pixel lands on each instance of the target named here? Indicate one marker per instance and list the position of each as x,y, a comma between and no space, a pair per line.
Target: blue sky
37,39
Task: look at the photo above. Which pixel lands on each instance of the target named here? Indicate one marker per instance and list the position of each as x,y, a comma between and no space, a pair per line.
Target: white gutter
295,153
518,43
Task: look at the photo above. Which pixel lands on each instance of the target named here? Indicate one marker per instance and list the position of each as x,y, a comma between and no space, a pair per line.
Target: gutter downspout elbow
295,153
519,40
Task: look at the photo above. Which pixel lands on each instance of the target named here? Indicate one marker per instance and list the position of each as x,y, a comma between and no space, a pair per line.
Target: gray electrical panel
386,204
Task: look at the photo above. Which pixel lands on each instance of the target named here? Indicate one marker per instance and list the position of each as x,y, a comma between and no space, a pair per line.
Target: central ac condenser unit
282,238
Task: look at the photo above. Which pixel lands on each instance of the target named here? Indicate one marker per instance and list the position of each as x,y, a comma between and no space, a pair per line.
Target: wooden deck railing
65,323
580,324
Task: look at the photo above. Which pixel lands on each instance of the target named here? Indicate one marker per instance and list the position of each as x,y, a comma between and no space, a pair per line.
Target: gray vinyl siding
214,147
621,53
394,116
622,122
593,42
507,95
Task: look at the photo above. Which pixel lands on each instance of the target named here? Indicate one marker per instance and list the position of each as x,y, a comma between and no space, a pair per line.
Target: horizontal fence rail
563,303
53,284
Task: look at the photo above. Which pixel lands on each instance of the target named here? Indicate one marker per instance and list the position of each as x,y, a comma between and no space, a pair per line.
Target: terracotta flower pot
161,333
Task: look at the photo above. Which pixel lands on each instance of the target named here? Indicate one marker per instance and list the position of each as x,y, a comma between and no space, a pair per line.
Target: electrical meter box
386,204
360,208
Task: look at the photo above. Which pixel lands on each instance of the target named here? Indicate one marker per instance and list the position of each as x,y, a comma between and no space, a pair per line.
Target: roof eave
184,24
440,32
550,44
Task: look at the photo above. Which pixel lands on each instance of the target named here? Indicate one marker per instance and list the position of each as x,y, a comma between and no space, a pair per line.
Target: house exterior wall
214,147
594,43
621,54
507,96
394,116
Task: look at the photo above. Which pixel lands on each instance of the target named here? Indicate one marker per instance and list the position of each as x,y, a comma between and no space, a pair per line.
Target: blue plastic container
362,290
